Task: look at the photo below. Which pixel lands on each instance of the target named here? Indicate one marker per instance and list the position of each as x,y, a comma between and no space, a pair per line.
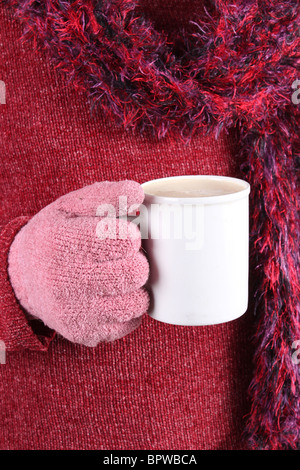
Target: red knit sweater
162,386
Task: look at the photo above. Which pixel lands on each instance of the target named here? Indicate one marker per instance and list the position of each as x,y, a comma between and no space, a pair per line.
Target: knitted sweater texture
215,100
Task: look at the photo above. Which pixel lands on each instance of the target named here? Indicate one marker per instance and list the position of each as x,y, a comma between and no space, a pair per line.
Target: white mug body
198,252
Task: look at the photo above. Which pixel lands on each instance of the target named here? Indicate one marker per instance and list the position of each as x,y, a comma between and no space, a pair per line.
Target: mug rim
245,190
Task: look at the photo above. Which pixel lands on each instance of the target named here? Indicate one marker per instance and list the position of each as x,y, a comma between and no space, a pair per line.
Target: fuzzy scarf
235,68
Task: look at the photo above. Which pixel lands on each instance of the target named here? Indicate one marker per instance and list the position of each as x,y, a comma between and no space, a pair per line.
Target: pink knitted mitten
85,285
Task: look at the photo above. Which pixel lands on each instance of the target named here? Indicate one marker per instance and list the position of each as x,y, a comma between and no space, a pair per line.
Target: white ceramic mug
197,249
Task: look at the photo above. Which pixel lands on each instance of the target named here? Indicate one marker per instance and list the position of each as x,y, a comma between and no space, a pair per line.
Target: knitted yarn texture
236,66
46,253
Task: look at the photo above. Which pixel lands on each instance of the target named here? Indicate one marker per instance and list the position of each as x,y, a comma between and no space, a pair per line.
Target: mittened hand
82,273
